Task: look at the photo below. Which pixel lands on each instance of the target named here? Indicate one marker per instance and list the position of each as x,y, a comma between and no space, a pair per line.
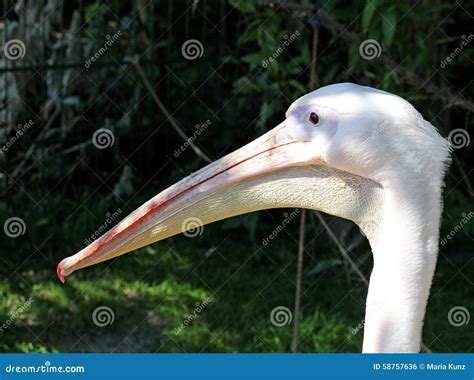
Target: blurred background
103,104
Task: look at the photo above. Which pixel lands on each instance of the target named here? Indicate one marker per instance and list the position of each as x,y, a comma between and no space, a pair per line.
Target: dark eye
314,118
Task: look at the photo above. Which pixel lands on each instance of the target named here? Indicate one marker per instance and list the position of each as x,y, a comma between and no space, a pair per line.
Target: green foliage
277,63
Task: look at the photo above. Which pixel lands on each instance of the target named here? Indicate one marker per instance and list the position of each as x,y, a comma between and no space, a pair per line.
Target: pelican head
348,150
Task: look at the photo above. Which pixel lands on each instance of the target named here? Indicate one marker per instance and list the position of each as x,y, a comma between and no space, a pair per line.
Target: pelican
351,151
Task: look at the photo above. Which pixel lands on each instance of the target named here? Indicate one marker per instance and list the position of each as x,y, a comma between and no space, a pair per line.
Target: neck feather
405,253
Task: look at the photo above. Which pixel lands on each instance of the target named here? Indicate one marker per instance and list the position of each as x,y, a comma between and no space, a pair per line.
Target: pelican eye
314,118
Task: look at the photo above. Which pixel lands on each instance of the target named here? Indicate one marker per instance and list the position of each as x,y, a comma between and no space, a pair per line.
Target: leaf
265,112
253,60
324,265
41,222
389,22
245,6
249,34
357,240
369,10
301,89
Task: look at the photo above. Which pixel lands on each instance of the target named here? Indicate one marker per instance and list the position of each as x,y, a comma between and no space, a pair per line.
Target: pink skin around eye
329,119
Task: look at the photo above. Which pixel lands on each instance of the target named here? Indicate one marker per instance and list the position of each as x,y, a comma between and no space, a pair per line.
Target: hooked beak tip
59,272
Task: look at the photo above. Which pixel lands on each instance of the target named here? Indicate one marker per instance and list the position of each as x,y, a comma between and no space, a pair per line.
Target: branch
342,249
168,116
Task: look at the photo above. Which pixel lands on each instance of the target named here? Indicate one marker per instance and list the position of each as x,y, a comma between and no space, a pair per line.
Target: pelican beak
238,183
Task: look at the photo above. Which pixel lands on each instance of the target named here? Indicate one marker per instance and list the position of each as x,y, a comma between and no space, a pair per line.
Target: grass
211,293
